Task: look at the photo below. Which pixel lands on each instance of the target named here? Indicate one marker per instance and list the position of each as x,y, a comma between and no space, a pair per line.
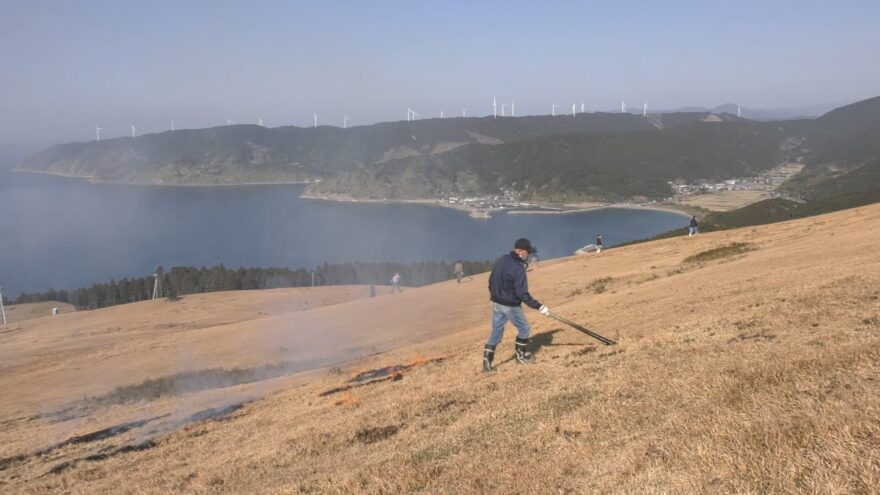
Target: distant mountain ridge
596,156
766,114
249,153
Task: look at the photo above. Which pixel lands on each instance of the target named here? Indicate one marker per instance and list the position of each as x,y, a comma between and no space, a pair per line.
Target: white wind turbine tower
738,111
133,130
441,114
573,110
623,107
98,133
415,115
502,109
513,109
228,121
315,117
260,121
464,112
2,309
553,109
645,110
494,108
582,105
345,119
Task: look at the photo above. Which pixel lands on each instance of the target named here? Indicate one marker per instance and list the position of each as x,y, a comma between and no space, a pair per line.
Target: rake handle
579,328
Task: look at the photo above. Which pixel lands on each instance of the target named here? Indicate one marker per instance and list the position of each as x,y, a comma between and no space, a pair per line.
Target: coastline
539,208
545,208
92,180
473,212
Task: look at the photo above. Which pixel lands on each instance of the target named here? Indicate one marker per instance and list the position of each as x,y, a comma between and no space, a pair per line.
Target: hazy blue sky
68,65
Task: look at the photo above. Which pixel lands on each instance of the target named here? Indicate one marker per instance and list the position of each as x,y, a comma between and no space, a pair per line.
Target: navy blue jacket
508,285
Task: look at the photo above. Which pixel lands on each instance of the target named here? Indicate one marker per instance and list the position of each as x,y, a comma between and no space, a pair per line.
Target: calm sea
66,233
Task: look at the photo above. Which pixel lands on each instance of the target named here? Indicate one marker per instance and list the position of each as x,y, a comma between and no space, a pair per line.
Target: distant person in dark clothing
599,243
692,229
395,283
459,271
508,289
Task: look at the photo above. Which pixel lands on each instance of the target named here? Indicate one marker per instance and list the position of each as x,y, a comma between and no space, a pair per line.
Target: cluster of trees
181,280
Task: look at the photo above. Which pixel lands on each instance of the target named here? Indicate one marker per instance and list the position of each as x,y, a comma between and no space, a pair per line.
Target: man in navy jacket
508,289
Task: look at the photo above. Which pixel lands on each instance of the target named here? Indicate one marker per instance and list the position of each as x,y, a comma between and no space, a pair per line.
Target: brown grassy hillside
21,312
748,362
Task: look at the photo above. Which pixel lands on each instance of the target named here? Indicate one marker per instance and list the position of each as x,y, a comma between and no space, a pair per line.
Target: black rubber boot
523,356
488,356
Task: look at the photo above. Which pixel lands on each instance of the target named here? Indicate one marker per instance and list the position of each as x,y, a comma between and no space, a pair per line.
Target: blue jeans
501,314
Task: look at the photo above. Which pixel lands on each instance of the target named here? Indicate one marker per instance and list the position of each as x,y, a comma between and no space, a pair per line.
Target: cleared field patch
725,200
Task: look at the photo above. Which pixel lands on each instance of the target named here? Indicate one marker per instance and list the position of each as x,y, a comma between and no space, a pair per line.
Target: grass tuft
732,249
600,285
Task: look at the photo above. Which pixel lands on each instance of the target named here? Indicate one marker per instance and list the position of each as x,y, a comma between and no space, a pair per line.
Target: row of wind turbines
412,115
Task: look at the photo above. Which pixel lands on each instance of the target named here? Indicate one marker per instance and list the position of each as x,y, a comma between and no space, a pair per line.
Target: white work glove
544,310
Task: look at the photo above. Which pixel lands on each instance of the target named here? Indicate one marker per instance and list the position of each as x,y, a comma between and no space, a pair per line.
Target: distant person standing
599,243
459,270
692,229
508,289
372,290
395,283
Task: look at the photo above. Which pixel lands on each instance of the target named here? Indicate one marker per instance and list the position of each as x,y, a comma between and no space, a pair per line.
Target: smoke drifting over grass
193,381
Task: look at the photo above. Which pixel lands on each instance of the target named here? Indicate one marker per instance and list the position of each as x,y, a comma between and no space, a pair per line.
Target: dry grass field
21,312
748,362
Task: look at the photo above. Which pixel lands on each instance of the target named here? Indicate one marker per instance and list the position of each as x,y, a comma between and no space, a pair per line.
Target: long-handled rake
579,328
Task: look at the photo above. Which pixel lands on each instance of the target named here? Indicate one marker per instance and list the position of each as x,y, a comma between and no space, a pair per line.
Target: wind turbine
441,114
623,107
645,110
172,124
315,117
738,111
553,109
582,105
513,109
494,108
573,110
98,133
260,121
415,115
133,130
345,119
464,112
502,109
2,309
229,122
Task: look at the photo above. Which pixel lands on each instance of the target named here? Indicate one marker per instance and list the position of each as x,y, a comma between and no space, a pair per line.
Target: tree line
182,280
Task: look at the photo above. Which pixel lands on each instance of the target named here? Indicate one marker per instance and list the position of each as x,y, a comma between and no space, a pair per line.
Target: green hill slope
248,153
578,166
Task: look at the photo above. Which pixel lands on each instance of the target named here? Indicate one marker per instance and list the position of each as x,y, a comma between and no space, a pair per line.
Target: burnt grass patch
376,434
94,436
215,414
100,456
389,370
387,374
732,249
191,381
